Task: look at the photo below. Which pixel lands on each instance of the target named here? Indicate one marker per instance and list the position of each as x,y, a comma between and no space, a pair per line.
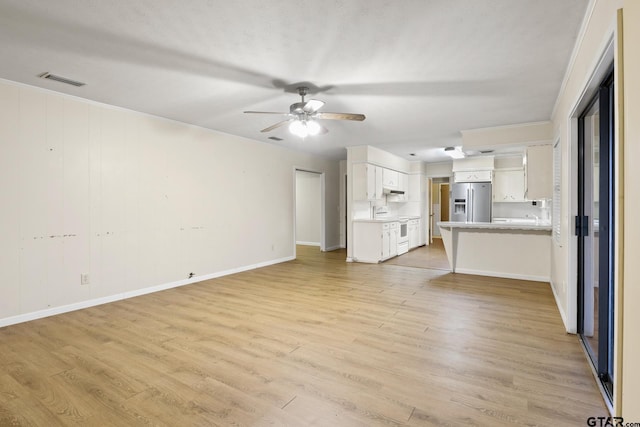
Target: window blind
557,168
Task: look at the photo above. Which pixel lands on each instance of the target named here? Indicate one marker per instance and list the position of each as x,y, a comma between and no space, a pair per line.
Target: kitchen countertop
377,220
500,225
390,219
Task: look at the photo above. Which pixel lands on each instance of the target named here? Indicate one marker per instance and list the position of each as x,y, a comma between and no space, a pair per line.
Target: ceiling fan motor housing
297,108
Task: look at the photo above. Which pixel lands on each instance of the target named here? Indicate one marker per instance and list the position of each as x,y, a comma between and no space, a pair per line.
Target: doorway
594,228
444,202
309,209
439,203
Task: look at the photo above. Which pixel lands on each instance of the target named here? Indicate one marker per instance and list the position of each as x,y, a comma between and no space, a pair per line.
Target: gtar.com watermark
609,422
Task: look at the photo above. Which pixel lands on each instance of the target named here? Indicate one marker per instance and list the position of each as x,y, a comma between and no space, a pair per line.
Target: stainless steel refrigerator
471,202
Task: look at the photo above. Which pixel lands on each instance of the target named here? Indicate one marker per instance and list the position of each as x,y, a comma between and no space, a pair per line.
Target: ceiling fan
303,116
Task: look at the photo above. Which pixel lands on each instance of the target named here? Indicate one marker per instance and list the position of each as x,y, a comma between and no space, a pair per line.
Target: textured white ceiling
420,70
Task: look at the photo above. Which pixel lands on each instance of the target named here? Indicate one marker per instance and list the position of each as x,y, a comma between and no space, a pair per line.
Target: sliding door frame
601,357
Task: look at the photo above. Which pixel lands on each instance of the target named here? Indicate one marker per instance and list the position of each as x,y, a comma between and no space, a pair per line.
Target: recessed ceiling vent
275,138
60,79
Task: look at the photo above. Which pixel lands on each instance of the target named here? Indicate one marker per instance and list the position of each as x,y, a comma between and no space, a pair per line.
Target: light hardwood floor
315,341
430,256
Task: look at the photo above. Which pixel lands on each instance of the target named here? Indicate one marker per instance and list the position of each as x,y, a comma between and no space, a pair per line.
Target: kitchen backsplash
542,210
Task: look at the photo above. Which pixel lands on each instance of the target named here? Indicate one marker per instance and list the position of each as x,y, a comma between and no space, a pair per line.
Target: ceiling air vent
60,79
275,138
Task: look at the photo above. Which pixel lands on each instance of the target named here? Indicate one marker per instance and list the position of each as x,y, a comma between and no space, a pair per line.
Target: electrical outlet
84,279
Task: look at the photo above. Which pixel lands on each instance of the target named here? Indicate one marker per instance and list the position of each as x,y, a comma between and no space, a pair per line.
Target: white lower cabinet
374,241
414,233
422,233
394,230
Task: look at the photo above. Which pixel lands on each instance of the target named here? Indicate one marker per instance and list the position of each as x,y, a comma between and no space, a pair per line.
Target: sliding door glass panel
590,242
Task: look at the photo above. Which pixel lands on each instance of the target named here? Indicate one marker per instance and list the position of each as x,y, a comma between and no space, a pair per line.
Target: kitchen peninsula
517,250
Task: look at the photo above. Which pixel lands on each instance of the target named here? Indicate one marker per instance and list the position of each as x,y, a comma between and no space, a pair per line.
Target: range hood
392,191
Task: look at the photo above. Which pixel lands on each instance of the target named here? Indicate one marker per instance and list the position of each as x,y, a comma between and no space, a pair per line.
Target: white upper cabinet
473,169
473,176
367,182
390,179
472,164
378,194
508,185
403,185
539,172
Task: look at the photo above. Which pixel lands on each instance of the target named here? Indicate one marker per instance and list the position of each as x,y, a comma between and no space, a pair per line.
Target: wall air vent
60,79
275,138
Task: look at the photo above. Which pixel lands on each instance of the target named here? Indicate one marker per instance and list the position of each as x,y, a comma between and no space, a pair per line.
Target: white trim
563,314
600,66
138,292
545,279
574,54
323,219
333,248
308,243
509,126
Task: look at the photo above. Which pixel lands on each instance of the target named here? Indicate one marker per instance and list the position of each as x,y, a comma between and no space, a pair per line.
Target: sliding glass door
594,228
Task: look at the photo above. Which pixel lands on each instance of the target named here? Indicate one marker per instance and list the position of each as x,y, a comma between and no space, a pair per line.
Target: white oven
403,236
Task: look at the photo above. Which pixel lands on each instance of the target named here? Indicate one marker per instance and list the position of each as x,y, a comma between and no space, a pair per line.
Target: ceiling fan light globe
299,128
313,127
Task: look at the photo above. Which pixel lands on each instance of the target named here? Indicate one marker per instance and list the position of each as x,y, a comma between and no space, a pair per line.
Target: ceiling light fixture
454,152
304,128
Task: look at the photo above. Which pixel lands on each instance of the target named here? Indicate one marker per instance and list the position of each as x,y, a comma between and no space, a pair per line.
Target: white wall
518,134
630,294
439,170
308,206
133,200
343,204
598,30
601,28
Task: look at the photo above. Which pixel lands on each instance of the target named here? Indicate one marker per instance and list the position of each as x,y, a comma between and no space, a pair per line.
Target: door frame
603,356
323,243
590,89
592,83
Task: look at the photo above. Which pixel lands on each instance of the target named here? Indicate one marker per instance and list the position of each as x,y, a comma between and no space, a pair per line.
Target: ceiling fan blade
265,112
312,105
340,116
277,125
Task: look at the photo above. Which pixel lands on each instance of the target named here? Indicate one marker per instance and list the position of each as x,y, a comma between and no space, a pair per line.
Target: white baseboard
503,275
307,243
332,248
130,294
563,314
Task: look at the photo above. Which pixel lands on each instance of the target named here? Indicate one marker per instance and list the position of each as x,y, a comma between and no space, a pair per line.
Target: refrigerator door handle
466,207
472,205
